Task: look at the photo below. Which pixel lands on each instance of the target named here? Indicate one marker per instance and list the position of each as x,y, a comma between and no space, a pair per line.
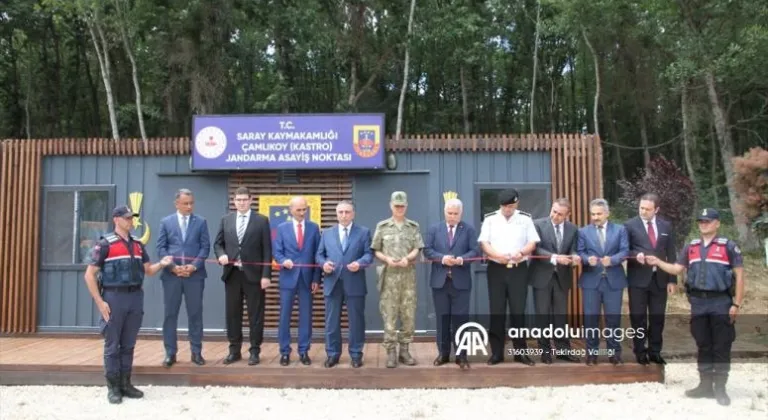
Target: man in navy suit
184,236
294,250
344,252
602,247
648,286
451,245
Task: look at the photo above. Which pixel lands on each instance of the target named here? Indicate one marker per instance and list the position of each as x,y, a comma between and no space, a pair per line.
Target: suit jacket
540,271
358,249
616,247
639,275
194,249
286,247
256,246
464,245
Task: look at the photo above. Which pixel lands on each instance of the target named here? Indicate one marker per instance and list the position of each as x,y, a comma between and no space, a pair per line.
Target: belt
122,289
707,294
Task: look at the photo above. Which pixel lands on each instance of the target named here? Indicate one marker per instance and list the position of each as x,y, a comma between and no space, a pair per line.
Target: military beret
509,196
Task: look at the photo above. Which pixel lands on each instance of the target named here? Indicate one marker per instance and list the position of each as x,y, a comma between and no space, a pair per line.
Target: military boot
405,356
704,390
114,394
392,358
720,395
127,388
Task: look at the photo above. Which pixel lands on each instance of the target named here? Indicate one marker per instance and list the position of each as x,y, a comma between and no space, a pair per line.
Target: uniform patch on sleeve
736,249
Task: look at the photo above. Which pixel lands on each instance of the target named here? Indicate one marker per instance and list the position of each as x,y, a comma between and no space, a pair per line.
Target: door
371,196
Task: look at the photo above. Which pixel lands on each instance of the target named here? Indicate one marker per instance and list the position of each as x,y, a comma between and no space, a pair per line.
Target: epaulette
524,213
695,241
383,222
135,238
722,241
490,214
412,222
111,237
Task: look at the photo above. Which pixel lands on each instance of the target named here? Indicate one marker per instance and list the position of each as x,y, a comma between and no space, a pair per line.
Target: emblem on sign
135,199
210,142
366,140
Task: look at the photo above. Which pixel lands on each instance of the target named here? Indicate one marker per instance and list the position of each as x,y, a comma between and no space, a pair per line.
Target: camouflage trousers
398,299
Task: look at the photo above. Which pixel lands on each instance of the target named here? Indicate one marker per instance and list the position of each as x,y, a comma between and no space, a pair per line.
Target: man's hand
576,259
671,288
592,261
179,271
652,260
265,282
563,260
353,266
516,257
223,260
104,309
458,261
641,258
448,260
314,287
288,264
328,267
733,313
403,262
166,261
606,261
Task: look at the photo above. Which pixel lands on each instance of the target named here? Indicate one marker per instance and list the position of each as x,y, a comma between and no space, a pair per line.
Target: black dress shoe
525,360
591,360
356,363
656,358
441,359
331,362
169,361
495,360
285,360
546,358
642,359
197,359
568,358
254,359
616,360
232,358
304,357
462,362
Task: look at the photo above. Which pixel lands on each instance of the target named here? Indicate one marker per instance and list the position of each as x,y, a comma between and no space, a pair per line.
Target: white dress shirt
508,236
341,232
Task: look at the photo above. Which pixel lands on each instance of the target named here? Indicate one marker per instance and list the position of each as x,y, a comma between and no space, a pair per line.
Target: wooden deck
78,361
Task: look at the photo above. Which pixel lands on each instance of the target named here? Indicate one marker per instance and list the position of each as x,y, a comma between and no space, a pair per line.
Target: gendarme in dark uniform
120,262
715,288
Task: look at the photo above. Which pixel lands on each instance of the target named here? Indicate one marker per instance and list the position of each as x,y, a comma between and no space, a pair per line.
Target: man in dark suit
552,278
648,287
602,247
344,252
294,247
451,245
244,247
184,236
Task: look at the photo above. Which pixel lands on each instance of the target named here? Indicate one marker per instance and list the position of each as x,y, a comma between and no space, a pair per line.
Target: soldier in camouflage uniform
397,243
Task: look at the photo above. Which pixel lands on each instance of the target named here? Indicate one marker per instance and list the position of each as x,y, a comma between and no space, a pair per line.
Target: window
535,198
74,217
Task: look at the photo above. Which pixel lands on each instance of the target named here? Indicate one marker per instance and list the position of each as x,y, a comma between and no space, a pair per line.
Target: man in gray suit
551,277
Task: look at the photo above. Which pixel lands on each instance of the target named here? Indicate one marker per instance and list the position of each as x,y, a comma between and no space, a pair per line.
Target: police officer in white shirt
507,236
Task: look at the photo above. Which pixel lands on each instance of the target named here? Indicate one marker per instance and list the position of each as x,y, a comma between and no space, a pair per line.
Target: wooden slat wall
332,187
576,174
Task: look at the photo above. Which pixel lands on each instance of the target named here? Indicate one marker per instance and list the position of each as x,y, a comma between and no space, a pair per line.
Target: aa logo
472,338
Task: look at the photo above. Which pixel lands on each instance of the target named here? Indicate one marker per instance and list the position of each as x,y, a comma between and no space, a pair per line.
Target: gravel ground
748,388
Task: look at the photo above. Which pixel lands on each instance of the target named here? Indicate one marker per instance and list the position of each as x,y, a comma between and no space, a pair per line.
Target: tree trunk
103,57
713,165
726,152
405,74
644,140
687,135
134,73
535,65
597,81
464,101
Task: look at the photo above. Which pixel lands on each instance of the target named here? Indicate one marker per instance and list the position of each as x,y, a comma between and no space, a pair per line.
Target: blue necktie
183,228
345,240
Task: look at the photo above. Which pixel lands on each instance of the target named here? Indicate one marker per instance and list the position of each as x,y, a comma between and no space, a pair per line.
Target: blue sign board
284,141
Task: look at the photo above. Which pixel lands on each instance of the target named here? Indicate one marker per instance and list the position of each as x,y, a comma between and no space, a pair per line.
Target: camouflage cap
399,198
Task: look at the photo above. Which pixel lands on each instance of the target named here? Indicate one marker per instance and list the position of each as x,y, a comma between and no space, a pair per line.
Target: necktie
241,229
652,234
558,236
184,228
601,235
345,240
450,235
300,235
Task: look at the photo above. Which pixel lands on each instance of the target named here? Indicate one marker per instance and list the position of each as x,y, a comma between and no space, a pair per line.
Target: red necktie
651,234
301,237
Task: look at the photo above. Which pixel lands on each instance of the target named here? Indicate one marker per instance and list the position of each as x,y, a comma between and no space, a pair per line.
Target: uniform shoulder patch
135,238
736,249
383,222
111,237
721,241
490,214
412,222
695,241
524,213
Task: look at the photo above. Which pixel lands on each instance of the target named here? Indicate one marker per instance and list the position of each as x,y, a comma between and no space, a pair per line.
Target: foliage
751,183
677,194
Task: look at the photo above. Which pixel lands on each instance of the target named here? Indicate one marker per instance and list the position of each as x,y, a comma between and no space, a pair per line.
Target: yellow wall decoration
276,208
135,199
